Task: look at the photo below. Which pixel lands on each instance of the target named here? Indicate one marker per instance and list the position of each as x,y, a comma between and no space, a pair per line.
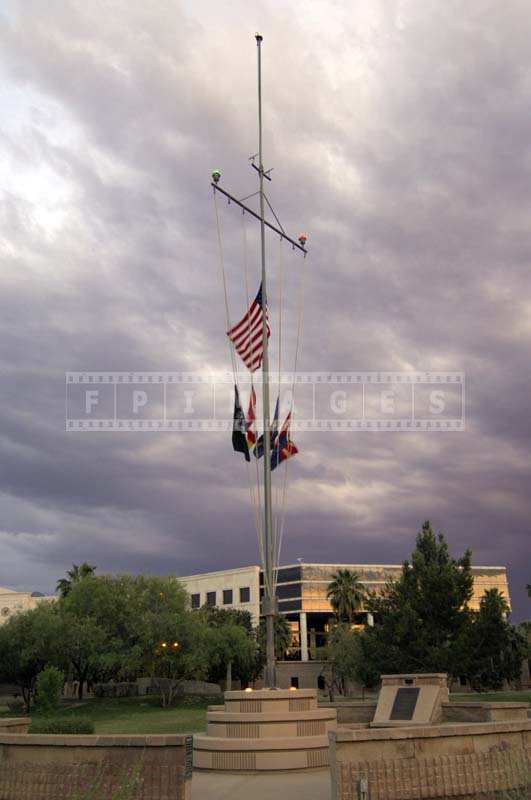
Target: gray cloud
400,138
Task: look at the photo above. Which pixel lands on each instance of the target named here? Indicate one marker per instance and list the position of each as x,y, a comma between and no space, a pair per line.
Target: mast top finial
259,38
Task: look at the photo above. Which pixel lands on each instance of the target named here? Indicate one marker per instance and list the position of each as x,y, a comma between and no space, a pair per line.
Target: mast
269,601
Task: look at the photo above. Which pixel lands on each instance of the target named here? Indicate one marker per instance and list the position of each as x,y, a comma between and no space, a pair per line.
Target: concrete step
256,755
284,724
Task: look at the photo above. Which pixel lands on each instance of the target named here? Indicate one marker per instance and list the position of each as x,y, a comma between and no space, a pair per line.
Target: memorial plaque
188,757
404,704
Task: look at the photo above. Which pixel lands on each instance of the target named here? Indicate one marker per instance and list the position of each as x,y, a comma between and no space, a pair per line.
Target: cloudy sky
399,133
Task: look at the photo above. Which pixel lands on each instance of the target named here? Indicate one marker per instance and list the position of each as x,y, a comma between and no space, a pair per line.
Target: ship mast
269,602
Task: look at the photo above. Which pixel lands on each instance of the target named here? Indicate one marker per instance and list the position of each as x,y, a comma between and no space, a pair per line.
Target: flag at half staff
239,440
259,447
284,448
246,335
251,418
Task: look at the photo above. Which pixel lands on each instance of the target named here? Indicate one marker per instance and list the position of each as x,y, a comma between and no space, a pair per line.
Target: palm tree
346,594
495,599
74,575
282,636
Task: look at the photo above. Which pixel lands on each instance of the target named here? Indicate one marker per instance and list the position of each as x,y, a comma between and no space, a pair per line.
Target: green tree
147,626
49,686
346,594
422,618
233,644
166,640
83,642
497,648
282,638
215,617
29,642
74,575
233,651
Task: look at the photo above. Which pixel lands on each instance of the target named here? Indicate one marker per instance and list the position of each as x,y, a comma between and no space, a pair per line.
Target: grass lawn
493,697
472,697
135,715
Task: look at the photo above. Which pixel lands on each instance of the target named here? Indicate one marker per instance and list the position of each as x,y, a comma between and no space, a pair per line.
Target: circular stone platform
267,729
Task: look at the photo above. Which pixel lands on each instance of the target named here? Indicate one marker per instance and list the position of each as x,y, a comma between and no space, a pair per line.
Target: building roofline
379,566
235,570
232,570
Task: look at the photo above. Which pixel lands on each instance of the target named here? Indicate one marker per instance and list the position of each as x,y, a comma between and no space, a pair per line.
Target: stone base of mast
263,730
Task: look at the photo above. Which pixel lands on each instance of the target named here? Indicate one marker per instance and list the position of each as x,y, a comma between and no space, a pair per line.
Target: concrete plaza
304,785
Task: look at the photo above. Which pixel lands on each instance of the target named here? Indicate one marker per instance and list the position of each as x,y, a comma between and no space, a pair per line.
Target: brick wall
436,761
468,775
38,767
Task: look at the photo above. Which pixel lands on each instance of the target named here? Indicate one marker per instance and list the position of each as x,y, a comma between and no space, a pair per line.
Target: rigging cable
255,499
300,316
276,526
232,357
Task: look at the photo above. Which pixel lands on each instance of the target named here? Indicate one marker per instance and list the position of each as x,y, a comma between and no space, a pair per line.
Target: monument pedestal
267,729
414,699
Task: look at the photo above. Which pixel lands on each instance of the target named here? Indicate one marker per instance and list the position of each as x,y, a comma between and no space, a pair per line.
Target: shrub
195,700
16,706
50,684
65,725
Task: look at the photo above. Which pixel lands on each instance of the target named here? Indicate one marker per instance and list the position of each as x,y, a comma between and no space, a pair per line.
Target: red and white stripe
246,336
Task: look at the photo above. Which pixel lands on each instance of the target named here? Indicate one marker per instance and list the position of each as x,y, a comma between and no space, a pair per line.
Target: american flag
246,336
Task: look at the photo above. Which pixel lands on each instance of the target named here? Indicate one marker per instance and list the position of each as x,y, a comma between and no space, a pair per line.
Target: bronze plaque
405,702
188,757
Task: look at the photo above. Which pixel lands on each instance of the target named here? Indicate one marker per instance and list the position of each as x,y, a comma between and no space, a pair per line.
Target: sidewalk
307,785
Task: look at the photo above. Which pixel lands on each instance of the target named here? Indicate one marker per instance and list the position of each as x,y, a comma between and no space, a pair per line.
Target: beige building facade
302,595
231,588
11,602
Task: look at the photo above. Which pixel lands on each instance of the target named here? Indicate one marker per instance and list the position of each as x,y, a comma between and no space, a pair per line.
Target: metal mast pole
269,601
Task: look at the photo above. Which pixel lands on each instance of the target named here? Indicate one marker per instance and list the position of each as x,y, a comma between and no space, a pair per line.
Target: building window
321,683
245,594
196,600
294,682
5,612
227,597
211,598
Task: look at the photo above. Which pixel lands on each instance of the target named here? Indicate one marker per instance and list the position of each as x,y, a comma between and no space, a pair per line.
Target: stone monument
266,729
414,699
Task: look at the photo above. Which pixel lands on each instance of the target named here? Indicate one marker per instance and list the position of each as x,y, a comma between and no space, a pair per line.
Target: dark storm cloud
400,136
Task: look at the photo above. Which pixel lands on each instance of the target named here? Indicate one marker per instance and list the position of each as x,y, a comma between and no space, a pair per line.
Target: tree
282,637
29,642
232,650
74,575
497,649
232,642
346,594
421,619
83,641
171,643
147,628
216,617
49,686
